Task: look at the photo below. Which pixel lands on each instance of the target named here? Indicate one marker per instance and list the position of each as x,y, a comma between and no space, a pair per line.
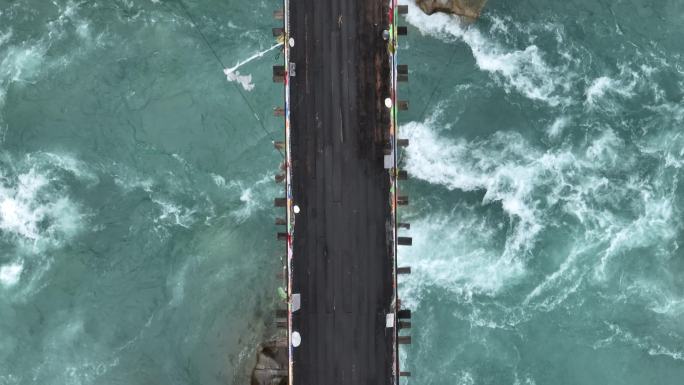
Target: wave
654,228
555,131
179,204
526,379
34,206
20,64
26,58
657,296
538,60
598,88
523,70
592,192
253,196
38,214
62,362
455,252
622,86
174,214
10,273
465,377
504,167
645,343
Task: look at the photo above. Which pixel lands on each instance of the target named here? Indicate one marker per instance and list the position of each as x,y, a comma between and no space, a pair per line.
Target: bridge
341,176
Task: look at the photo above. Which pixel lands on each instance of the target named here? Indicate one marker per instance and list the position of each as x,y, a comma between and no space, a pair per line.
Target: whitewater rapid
131,219
575,212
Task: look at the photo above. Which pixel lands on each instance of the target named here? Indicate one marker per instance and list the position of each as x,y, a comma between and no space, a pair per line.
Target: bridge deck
342,252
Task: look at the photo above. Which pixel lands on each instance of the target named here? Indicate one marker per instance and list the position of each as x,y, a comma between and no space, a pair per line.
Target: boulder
467,8
271,365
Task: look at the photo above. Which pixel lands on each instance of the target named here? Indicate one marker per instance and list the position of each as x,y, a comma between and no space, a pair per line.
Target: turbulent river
137,243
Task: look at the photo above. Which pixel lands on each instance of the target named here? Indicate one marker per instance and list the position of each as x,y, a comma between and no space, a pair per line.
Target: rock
467,8
271,366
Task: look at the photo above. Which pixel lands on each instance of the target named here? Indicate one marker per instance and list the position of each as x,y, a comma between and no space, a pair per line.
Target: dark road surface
342,264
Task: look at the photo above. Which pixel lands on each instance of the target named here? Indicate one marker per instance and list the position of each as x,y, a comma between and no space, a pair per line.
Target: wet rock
468,8
271,365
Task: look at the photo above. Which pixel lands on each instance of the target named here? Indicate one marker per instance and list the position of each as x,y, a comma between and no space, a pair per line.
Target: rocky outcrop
271,366
467,8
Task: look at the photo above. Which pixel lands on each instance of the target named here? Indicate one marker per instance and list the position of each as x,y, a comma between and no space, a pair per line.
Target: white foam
10,274
606,149
67,163
33,209
623,86
556,129
176,284
598,88
21,63
244,80
253,196
10,379
659,350
652,228
233,75
669,111
465,377
528,182
218,180
523,70
173,213
83,30
18,64
128,180
527,380
5,37
661,298
61,346
504,166
455,252
671,306
645,343
556,288
18,214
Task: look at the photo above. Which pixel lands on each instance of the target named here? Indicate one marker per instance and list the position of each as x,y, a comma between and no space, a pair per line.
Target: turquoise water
137,243
546,154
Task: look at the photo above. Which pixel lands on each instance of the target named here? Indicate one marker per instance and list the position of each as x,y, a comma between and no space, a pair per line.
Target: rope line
438,85
195,25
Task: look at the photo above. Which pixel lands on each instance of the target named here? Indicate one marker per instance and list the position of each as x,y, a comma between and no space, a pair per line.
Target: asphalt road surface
342,263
